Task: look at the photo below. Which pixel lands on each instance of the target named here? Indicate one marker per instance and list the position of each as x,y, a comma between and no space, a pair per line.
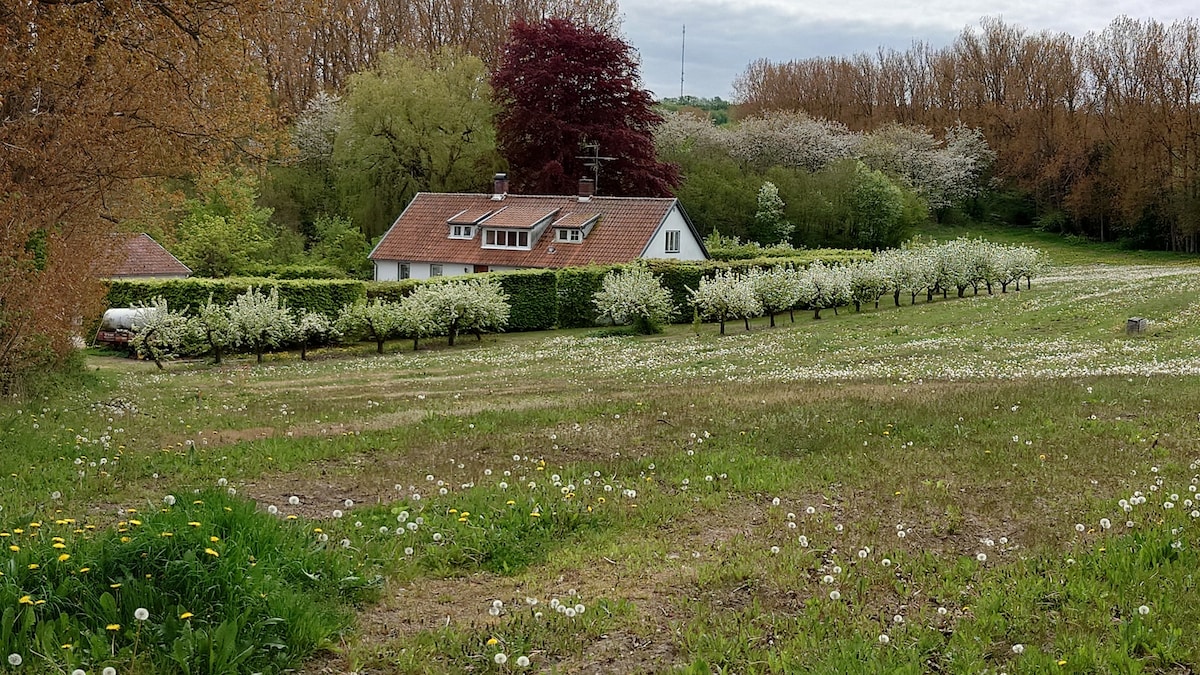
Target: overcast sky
723,36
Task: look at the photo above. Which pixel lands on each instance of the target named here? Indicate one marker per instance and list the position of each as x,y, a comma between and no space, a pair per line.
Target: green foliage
340,244
260,321
377,320
158,331
321,271
576,287
532,297
225,231
321,295
453,306
226,588
715,109
411,123
877,209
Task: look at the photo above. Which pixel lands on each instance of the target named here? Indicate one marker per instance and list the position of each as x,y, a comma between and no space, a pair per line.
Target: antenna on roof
592,162
682,60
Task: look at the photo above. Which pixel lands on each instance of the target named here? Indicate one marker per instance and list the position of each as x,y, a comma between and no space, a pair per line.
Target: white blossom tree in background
869,281
726,296
635,297
260,321
772,224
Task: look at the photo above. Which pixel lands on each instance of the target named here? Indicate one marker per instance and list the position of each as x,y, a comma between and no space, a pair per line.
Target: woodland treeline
1099,135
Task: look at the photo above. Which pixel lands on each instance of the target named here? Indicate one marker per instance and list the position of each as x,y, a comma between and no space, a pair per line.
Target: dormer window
505,238
462,231
463,224
568,235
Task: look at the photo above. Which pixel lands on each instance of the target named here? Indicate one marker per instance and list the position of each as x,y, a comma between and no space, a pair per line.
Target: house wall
389,270
689,246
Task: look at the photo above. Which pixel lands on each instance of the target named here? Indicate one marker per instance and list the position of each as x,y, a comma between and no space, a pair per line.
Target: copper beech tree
97,100
561,86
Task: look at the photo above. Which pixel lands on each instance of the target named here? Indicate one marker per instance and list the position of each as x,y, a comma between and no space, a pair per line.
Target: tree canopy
561,86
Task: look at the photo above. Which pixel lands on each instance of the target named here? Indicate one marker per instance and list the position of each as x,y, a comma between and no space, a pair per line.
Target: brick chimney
499,186
587,187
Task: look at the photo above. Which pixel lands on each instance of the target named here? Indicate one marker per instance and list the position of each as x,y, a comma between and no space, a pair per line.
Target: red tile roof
144,257
624,228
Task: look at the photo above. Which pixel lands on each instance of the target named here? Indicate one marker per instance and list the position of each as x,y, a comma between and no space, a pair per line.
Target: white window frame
518,239
672,241
435,270
462,231
568,235
403,271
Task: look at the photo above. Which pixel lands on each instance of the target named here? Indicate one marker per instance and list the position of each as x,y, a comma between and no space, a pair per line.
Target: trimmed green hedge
322,295
532,299
576,286
392,291
803,256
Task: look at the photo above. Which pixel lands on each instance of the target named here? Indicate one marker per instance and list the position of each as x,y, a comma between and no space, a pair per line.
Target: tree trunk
857,306
416,343
1004,286
896,297
792,313
772,320
378,345
258,352
746,320
722,322
816,312
304,350
961,290
453,332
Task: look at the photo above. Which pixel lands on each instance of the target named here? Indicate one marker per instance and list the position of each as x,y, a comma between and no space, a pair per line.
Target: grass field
989,484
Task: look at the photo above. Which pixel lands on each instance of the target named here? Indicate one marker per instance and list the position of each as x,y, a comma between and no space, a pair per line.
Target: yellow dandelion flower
34,566
25,600
229,509
84,570
131,510
68,646
535,514
113,626
462,520
510,503
17,530
318,530
114,585
214,539
14,548
465,514
134,521
453,510
125,540
194,524
492,642
167,534
64,557
198,501
35,524
291,517
58,539
5,534
212,553
186,615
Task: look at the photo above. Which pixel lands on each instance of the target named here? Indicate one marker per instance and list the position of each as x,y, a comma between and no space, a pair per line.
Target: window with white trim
672,241
435,269
568,235
462,231
506,238
405,272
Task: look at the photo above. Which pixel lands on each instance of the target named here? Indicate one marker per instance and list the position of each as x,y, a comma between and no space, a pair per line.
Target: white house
444,234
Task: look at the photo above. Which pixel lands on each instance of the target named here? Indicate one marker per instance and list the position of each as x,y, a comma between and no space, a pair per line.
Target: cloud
724,36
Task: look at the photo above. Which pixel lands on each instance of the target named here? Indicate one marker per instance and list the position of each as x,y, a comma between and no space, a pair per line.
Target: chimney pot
587,187
499,186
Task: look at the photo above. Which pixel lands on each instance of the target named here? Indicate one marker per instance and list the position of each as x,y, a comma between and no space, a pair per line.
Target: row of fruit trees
257,322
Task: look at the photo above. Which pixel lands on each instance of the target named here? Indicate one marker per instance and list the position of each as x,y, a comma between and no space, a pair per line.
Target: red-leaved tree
560,86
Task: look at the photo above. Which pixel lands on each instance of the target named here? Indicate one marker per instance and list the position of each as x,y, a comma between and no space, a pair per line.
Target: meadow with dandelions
998,483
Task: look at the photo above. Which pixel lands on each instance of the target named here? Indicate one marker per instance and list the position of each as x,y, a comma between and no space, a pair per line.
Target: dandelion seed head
141,614
1018,648
884,639
294,500
834,595
500,658
1143,610
14,660
523,661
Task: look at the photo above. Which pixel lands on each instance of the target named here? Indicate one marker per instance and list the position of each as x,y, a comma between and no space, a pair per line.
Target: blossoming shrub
227,589
635,297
